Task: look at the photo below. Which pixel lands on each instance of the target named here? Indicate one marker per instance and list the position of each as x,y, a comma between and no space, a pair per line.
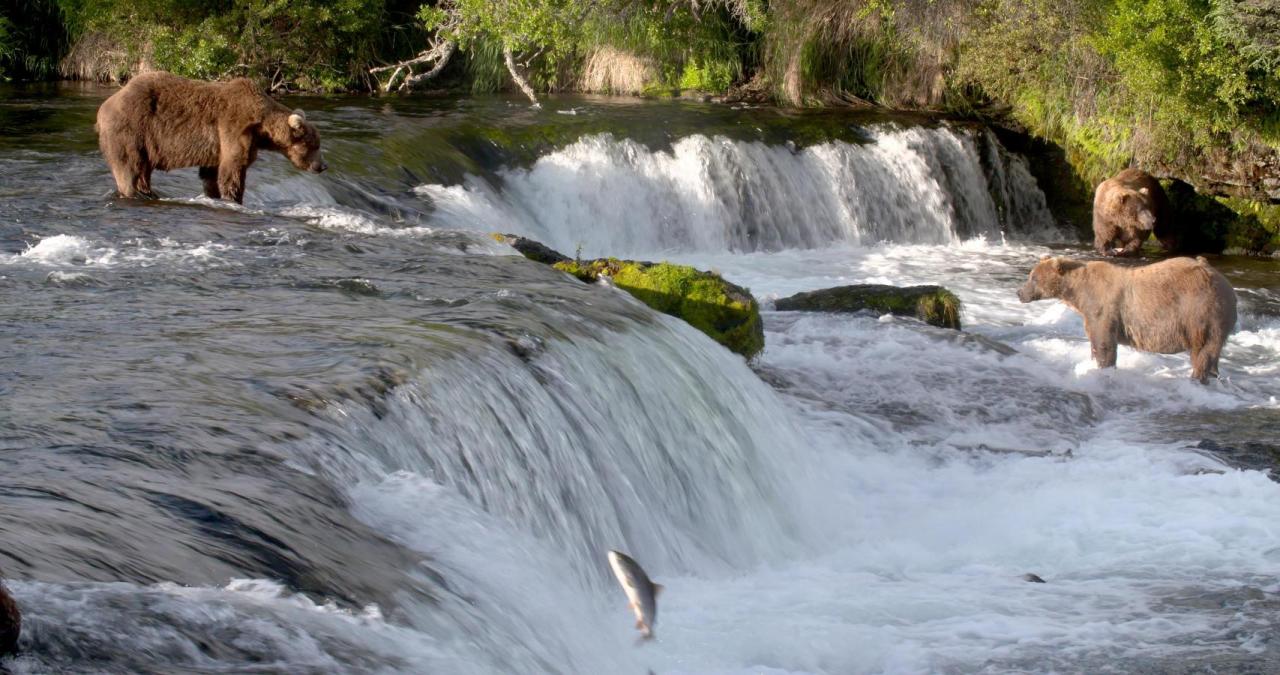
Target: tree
526,30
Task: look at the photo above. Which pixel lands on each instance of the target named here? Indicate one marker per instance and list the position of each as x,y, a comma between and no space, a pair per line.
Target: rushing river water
341,429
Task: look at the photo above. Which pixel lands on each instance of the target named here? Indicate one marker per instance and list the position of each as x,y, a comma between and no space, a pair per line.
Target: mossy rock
933,305
726,312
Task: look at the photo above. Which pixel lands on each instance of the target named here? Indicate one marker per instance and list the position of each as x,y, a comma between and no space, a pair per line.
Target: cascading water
641,436
607,195
338,430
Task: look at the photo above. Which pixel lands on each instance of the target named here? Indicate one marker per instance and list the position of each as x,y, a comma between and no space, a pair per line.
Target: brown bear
162,121
1127,208
1176,305
10,622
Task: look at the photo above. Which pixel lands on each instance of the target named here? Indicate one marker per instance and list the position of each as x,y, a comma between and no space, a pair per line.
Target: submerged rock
726,312
1033,578
533,250
956,336
933,305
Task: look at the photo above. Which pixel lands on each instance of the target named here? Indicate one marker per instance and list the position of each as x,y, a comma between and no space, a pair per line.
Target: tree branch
446,52
440,52
510,58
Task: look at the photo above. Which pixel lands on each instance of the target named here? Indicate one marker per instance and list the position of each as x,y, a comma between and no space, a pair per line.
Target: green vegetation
725,312
933,305
31,38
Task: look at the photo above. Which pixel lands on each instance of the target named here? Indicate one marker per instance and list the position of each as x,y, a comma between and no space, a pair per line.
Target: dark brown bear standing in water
10,622
1176,305
162,121
1126,209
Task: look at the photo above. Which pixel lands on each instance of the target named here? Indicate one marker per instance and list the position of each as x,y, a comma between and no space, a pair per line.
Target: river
343,429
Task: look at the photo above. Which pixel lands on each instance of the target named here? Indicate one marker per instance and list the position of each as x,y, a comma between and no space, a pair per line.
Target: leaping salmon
641,592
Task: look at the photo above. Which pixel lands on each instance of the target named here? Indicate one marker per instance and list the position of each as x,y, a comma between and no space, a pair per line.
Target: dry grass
613,71
842,51
96,57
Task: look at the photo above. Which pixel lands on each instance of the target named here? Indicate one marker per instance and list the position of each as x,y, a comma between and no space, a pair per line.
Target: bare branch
510,58
446,52
440,52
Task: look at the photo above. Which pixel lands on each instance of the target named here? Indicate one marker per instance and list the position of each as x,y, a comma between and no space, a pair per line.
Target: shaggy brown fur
162,121
1126,209
10,622
1176,305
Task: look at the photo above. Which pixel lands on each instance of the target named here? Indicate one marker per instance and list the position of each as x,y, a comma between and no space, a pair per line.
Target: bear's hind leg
1204,364
209,176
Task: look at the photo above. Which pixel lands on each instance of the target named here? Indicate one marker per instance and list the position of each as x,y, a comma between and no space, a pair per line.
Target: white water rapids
865,498
608,196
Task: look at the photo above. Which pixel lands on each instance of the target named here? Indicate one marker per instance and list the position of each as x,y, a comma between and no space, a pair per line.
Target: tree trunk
518,78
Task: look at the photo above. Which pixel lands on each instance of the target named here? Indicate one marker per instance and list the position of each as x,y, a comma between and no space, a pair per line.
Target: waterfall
647,437
604,195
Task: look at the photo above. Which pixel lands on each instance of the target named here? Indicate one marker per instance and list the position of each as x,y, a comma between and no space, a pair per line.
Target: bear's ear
297,118
1056,264
1124,198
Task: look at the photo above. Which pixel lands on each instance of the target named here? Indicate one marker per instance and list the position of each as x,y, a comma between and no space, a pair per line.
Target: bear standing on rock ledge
1176,305
162,121
1127,208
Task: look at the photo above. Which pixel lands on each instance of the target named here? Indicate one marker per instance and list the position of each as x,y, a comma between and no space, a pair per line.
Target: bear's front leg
1102,342
1102,236
1132,246
233,162
231,182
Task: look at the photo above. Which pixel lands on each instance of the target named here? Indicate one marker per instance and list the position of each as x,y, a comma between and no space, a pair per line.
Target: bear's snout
1027,294
318,167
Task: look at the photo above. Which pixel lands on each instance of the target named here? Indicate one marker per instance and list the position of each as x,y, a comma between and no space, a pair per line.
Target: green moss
933,305
725,312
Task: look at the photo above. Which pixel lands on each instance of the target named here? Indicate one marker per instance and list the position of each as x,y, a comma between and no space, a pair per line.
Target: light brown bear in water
1127,208
162,121
1176,305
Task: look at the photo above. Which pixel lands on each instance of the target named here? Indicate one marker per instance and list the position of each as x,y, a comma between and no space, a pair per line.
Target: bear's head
1047,279
1135,207
303,146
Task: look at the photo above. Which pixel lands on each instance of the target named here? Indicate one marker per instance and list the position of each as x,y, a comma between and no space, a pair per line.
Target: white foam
346,220
614,196
66,250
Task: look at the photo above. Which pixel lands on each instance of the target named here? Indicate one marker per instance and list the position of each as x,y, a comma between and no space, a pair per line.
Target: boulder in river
933,305
726,312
